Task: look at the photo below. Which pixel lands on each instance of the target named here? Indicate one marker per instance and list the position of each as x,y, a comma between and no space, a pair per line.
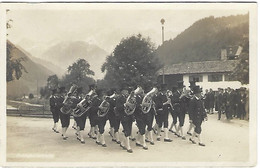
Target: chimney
223,55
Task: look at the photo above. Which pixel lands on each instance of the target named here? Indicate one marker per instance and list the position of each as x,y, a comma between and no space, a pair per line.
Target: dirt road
32,140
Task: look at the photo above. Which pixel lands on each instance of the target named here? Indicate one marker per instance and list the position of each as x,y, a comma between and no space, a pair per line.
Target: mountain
65,53
36,75
48,65
203,40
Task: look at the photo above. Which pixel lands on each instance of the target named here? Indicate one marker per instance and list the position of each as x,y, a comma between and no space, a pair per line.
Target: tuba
130,104
84,105
104,107
148,101
67,103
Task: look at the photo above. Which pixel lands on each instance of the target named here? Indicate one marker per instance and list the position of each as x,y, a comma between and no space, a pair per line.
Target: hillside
65,53
28,82
48,65
203,40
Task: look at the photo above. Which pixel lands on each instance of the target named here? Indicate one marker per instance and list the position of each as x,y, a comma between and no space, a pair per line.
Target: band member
65,118
54,111
93,118
179,102
102,116
81,120
113,116
126,119
198,114
149,115
173,112
191,95
116,119
140,118
162,102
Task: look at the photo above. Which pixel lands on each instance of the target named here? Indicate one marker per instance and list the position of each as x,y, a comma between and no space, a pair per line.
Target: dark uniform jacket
196,110
95,106
52,103
176,102
59,102
159,100
120,108
138,110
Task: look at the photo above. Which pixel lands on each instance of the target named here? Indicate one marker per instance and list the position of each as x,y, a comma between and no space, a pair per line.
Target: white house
207,74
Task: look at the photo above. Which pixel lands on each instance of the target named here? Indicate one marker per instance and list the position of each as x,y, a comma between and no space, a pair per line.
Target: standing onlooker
206,100
211,100
221,105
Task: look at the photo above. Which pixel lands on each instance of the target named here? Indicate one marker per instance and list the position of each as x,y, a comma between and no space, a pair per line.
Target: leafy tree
31,96
14,67
79,73
133,62
52,82
241,72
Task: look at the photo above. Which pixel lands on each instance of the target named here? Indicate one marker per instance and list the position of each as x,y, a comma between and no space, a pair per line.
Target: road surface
32,140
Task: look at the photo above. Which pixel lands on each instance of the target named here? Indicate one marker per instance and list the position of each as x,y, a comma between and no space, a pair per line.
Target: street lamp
162,22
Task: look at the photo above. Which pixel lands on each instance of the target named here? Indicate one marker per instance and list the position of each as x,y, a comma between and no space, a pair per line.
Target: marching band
127,106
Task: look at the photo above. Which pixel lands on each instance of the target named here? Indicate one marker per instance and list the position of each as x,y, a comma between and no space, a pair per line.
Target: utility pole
162,22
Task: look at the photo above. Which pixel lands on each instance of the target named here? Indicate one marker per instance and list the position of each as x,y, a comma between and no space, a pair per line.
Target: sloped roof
199,67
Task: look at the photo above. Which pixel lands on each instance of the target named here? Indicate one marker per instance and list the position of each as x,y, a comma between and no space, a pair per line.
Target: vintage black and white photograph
125,84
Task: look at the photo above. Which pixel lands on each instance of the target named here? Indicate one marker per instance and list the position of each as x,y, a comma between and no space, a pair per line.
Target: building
207,74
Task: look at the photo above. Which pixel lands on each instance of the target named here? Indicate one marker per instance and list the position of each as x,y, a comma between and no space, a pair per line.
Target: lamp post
162,22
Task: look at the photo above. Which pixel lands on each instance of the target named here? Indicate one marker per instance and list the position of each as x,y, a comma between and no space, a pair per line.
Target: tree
14,67
52,82
241,72
79,73
133,62
31,96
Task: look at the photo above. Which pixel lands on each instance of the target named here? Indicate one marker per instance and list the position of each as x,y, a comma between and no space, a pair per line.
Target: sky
38,28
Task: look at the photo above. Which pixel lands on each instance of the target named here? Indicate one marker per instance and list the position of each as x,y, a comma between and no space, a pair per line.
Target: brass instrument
147,102
130,104
67,103
84,105
103,107
168,95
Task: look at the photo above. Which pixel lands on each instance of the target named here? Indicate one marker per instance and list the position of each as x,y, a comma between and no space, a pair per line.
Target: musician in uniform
191,95
116,119
178,101
111,114
54,111
149,115
197,114
173,112
126,119
80,120
140,118
102,115
65,118
92,113
161,102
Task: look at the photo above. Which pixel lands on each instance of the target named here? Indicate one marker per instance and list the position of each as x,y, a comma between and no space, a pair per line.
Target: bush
31,96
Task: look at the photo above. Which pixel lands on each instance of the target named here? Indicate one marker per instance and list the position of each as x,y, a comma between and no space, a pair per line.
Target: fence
29,110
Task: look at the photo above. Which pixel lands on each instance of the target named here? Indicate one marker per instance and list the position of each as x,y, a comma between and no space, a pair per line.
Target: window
196,78
215,77
229,77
